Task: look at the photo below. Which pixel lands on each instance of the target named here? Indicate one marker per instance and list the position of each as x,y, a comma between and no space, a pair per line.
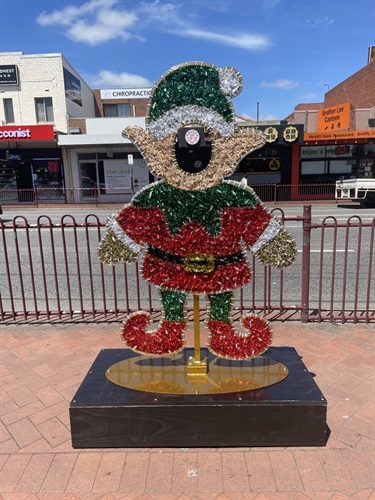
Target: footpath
42,366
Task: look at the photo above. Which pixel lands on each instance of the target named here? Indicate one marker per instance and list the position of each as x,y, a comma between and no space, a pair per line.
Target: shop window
8,110
89,183
340,167
369,150
115,110
313,167
48,178
44,109
366,168
341,150
338,150
312,152
325,171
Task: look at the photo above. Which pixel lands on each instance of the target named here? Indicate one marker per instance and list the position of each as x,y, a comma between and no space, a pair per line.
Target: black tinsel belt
196,263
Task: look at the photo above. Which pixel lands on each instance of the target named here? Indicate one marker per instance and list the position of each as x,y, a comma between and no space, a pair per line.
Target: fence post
306,247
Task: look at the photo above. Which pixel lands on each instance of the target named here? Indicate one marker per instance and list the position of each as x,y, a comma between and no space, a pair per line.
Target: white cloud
108,26
98,21
241,40
107,78
308,96
268,5
93,23
320,21
262,118
282,84
70,13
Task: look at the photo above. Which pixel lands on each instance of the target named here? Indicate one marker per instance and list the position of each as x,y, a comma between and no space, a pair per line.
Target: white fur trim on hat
176,118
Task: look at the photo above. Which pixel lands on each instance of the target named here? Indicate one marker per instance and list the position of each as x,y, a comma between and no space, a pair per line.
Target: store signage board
117,176
140,93
122,177
345,134
281,134
334,118
27,133
9,74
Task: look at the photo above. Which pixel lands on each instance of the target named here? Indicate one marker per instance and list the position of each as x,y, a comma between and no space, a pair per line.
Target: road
76,253
319,211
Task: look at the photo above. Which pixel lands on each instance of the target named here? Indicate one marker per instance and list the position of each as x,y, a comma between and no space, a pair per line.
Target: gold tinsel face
227,152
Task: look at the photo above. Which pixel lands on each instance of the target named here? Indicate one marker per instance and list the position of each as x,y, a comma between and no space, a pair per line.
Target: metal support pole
197,332
306,248
196,365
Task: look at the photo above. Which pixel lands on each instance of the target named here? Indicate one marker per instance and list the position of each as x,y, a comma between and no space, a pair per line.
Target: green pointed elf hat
194,93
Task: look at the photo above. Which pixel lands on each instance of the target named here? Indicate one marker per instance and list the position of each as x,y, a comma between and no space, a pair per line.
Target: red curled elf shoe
167,339
226,342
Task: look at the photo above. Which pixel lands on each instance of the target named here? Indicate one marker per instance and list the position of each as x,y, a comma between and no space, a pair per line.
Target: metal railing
275,193
51,272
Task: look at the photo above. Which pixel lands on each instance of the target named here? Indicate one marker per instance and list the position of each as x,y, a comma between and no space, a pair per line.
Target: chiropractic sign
141,93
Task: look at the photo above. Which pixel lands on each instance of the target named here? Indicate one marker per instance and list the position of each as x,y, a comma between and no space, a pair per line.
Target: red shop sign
27,133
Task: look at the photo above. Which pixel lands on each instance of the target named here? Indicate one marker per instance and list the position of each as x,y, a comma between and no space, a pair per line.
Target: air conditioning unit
75,130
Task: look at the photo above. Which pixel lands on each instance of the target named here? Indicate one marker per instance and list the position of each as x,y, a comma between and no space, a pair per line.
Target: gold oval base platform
169,375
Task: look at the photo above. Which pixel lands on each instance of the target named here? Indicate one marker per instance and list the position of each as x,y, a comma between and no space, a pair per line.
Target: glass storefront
103,173
329,163
270,164
31,173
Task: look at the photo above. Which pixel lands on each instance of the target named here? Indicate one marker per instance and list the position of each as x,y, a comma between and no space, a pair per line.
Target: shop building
273,163
339,133
103,166
64,139
39,93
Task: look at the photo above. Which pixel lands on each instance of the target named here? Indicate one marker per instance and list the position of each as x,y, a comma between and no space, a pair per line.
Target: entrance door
89,178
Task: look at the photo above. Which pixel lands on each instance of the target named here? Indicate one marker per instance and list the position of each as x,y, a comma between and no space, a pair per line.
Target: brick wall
78,122
358,89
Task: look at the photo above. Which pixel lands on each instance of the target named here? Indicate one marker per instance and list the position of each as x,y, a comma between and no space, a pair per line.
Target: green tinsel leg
220,306
174,305
226,341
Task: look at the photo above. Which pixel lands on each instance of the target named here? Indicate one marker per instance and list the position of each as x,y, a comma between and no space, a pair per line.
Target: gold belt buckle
199,263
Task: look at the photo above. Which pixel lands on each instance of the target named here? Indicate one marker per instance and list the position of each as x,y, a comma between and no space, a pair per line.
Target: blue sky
288,51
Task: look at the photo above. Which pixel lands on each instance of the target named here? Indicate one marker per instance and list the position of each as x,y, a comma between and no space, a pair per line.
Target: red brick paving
41,367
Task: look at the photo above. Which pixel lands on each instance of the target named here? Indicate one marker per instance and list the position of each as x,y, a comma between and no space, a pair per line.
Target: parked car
1,209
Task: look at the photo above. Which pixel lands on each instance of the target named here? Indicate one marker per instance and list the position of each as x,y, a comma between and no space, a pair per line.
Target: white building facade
101,166
39,94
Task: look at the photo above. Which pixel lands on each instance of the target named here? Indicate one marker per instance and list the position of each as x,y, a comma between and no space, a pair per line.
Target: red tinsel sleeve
256,222
140,224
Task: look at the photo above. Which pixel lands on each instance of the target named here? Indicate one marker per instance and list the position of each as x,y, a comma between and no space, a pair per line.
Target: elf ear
135,134
158,154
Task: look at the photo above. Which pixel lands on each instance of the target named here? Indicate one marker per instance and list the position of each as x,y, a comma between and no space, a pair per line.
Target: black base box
290,413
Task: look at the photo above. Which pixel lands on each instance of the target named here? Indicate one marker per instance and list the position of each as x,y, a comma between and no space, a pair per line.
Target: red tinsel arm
256,221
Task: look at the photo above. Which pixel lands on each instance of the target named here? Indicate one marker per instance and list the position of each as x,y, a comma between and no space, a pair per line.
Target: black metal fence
51,272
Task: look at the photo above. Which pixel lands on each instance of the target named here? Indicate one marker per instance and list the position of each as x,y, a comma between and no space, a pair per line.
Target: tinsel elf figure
194,228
